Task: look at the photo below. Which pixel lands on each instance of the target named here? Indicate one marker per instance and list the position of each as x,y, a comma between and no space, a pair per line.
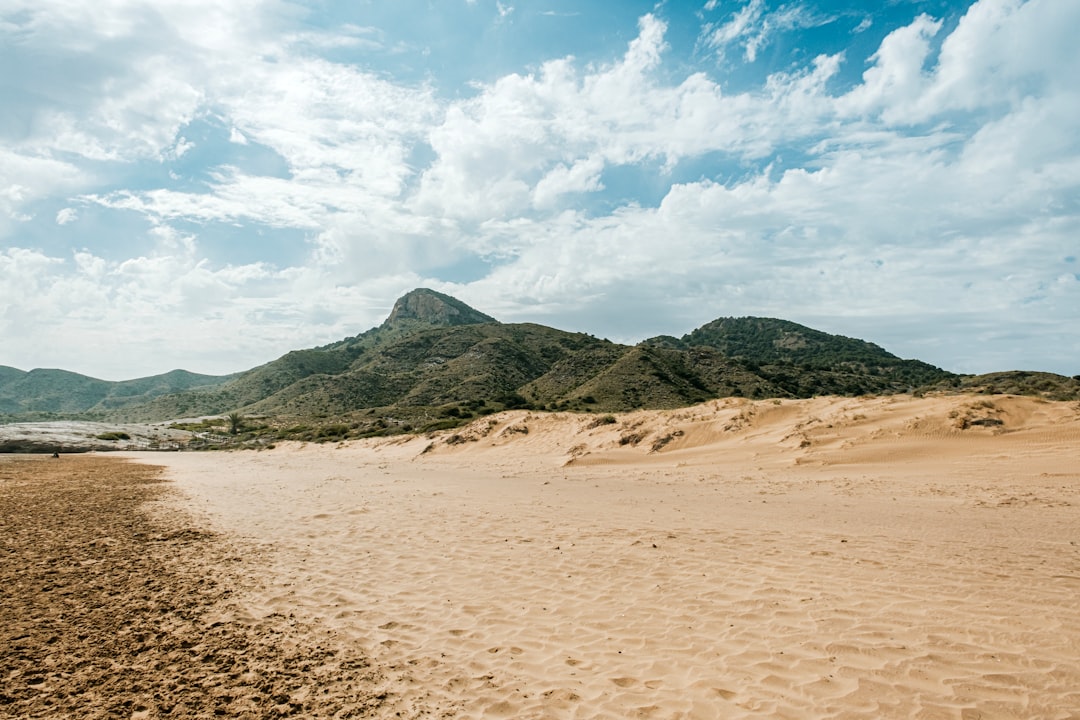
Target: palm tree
236,421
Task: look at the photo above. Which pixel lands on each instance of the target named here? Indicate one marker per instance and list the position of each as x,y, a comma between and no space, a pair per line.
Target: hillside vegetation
1015,382
803,362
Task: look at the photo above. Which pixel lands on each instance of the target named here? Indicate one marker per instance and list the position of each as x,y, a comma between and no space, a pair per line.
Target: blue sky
209,184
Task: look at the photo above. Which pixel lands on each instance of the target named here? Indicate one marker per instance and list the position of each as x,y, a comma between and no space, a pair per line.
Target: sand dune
828,558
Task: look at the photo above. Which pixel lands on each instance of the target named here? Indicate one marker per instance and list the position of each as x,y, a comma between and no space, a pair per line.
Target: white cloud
179,148
157,312
25,179
740,25
345,36
941,186
66,215
23,271
522,137
754,26
582,176
808,246
323,116
896,84
493,149
1001,53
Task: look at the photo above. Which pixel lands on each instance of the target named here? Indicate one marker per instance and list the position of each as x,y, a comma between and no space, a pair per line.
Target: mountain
435,358
298,382
804,362
435,361
60,391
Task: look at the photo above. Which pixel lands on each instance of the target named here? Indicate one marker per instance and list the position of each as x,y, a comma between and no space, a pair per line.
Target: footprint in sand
561,696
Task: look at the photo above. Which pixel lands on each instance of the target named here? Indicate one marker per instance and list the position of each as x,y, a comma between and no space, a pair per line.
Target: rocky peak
424,306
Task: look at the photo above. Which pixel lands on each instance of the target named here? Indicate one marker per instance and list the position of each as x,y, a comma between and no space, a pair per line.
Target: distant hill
60,391
435,361
804,362
1015,382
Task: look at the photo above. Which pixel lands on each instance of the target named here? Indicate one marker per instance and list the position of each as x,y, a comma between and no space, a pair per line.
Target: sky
208,184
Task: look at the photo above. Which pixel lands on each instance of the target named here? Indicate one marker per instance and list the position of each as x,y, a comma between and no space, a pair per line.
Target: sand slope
882,557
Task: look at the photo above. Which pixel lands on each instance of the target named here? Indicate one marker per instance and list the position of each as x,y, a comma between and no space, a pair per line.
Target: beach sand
829,558
113,605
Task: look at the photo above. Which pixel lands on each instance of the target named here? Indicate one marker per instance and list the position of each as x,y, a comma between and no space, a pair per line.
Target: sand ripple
773,580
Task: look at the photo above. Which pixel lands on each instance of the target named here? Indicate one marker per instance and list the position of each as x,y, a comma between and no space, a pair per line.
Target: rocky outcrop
433,308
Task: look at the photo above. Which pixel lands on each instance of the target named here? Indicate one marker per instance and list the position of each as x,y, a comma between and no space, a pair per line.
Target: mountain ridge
435,360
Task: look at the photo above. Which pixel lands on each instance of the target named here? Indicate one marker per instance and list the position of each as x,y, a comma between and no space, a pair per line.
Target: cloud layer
211,185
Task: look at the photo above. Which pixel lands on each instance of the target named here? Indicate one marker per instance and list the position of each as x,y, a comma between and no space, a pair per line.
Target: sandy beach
828,558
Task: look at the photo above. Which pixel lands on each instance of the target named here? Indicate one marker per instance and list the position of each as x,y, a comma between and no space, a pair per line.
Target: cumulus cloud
582,176
27,178
1002,53
492,150
895,85
941,186
171,308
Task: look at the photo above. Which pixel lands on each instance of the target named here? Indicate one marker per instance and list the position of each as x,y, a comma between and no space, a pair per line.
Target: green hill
1015,382
63,392
433,367
803,362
